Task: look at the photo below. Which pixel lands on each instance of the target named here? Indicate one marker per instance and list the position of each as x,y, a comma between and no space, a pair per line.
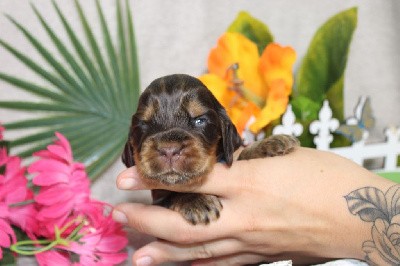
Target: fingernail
126,183
144,261
119,217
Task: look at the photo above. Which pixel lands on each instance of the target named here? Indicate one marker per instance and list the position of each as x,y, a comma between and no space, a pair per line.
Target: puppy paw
196,208
276,145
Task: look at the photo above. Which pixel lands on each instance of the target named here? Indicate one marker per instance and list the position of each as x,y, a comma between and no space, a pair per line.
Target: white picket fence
386,153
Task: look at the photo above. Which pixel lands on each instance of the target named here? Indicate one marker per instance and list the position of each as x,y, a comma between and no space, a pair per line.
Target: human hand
288,207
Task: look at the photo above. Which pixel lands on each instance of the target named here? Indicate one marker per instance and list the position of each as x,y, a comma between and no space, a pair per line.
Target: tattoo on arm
383,211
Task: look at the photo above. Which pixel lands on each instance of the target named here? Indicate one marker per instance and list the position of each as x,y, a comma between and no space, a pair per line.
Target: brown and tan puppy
177,135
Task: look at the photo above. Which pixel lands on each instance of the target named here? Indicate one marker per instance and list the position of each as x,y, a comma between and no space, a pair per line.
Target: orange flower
249,85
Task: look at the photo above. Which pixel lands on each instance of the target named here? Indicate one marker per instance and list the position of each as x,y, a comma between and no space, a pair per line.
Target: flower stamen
237,85
33,247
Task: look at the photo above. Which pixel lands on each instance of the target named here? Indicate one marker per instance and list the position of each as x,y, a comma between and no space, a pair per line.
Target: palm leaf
90,93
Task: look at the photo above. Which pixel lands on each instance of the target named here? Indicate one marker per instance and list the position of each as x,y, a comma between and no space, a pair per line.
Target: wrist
353,221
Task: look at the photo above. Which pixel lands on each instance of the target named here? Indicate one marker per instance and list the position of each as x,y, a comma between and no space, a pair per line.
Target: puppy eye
143,124
200,121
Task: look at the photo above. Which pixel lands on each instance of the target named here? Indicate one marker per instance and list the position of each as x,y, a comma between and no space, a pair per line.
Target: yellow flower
249,85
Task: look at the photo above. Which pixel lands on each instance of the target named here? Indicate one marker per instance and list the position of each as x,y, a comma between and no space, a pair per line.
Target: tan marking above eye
148,112
195,108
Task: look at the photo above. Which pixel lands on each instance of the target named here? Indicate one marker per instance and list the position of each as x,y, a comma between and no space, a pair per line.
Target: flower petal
25,218
276,62
239,110
52,257
234,48
55,210
277,101
219,88
48,165
1,132
49,178
7,235
64,143
112,243
241,113
53,195
18,194
4,239
60,152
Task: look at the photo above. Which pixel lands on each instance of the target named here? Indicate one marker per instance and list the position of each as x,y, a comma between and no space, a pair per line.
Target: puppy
178,133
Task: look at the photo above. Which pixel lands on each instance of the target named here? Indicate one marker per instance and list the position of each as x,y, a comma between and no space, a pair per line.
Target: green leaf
46,121
60,69
123,57
335,96
91,93
72,130
34,89
97,55
133,62
336,102
253,29
305,109
112,56
33,106
100,163
97,83
47,75
6,145
321,73
325,61
66,54
8,258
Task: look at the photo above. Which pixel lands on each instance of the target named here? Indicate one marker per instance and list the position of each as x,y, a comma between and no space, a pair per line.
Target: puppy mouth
173,177
186,172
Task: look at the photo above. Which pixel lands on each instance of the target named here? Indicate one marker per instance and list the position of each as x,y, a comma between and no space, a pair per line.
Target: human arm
289,207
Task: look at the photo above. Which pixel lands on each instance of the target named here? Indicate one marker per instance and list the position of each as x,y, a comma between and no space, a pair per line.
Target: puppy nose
170,151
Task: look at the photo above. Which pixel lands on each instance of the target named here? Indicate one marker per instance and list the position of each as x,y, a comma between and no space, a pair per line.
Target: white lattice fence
360,151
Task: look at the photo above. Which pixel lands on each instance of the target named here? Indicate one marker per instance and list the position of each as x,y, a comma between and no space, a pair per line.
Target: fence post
323,127
393,148
289,125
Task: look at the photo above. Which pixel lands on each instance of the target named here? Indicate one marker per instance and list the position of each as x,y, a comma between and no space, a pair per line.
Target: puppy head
178,132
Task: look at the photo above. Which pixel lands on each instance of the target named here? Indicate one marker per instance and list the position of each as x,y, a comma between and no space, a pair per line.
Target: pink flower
3,155
99,242
3,150
64,200
16,207
1,132
7,235
102,241
16,199
53,257
74,229
64,185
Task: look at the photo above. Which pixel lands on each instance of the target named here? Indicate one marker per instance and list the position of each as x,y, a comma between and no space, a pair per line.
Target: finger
129,179
220,182
156,221
236,259
160,251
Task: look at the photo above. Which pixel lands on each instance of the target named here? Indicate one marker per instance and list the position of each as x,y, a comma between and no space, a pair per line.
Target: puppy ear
127,155
231,139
